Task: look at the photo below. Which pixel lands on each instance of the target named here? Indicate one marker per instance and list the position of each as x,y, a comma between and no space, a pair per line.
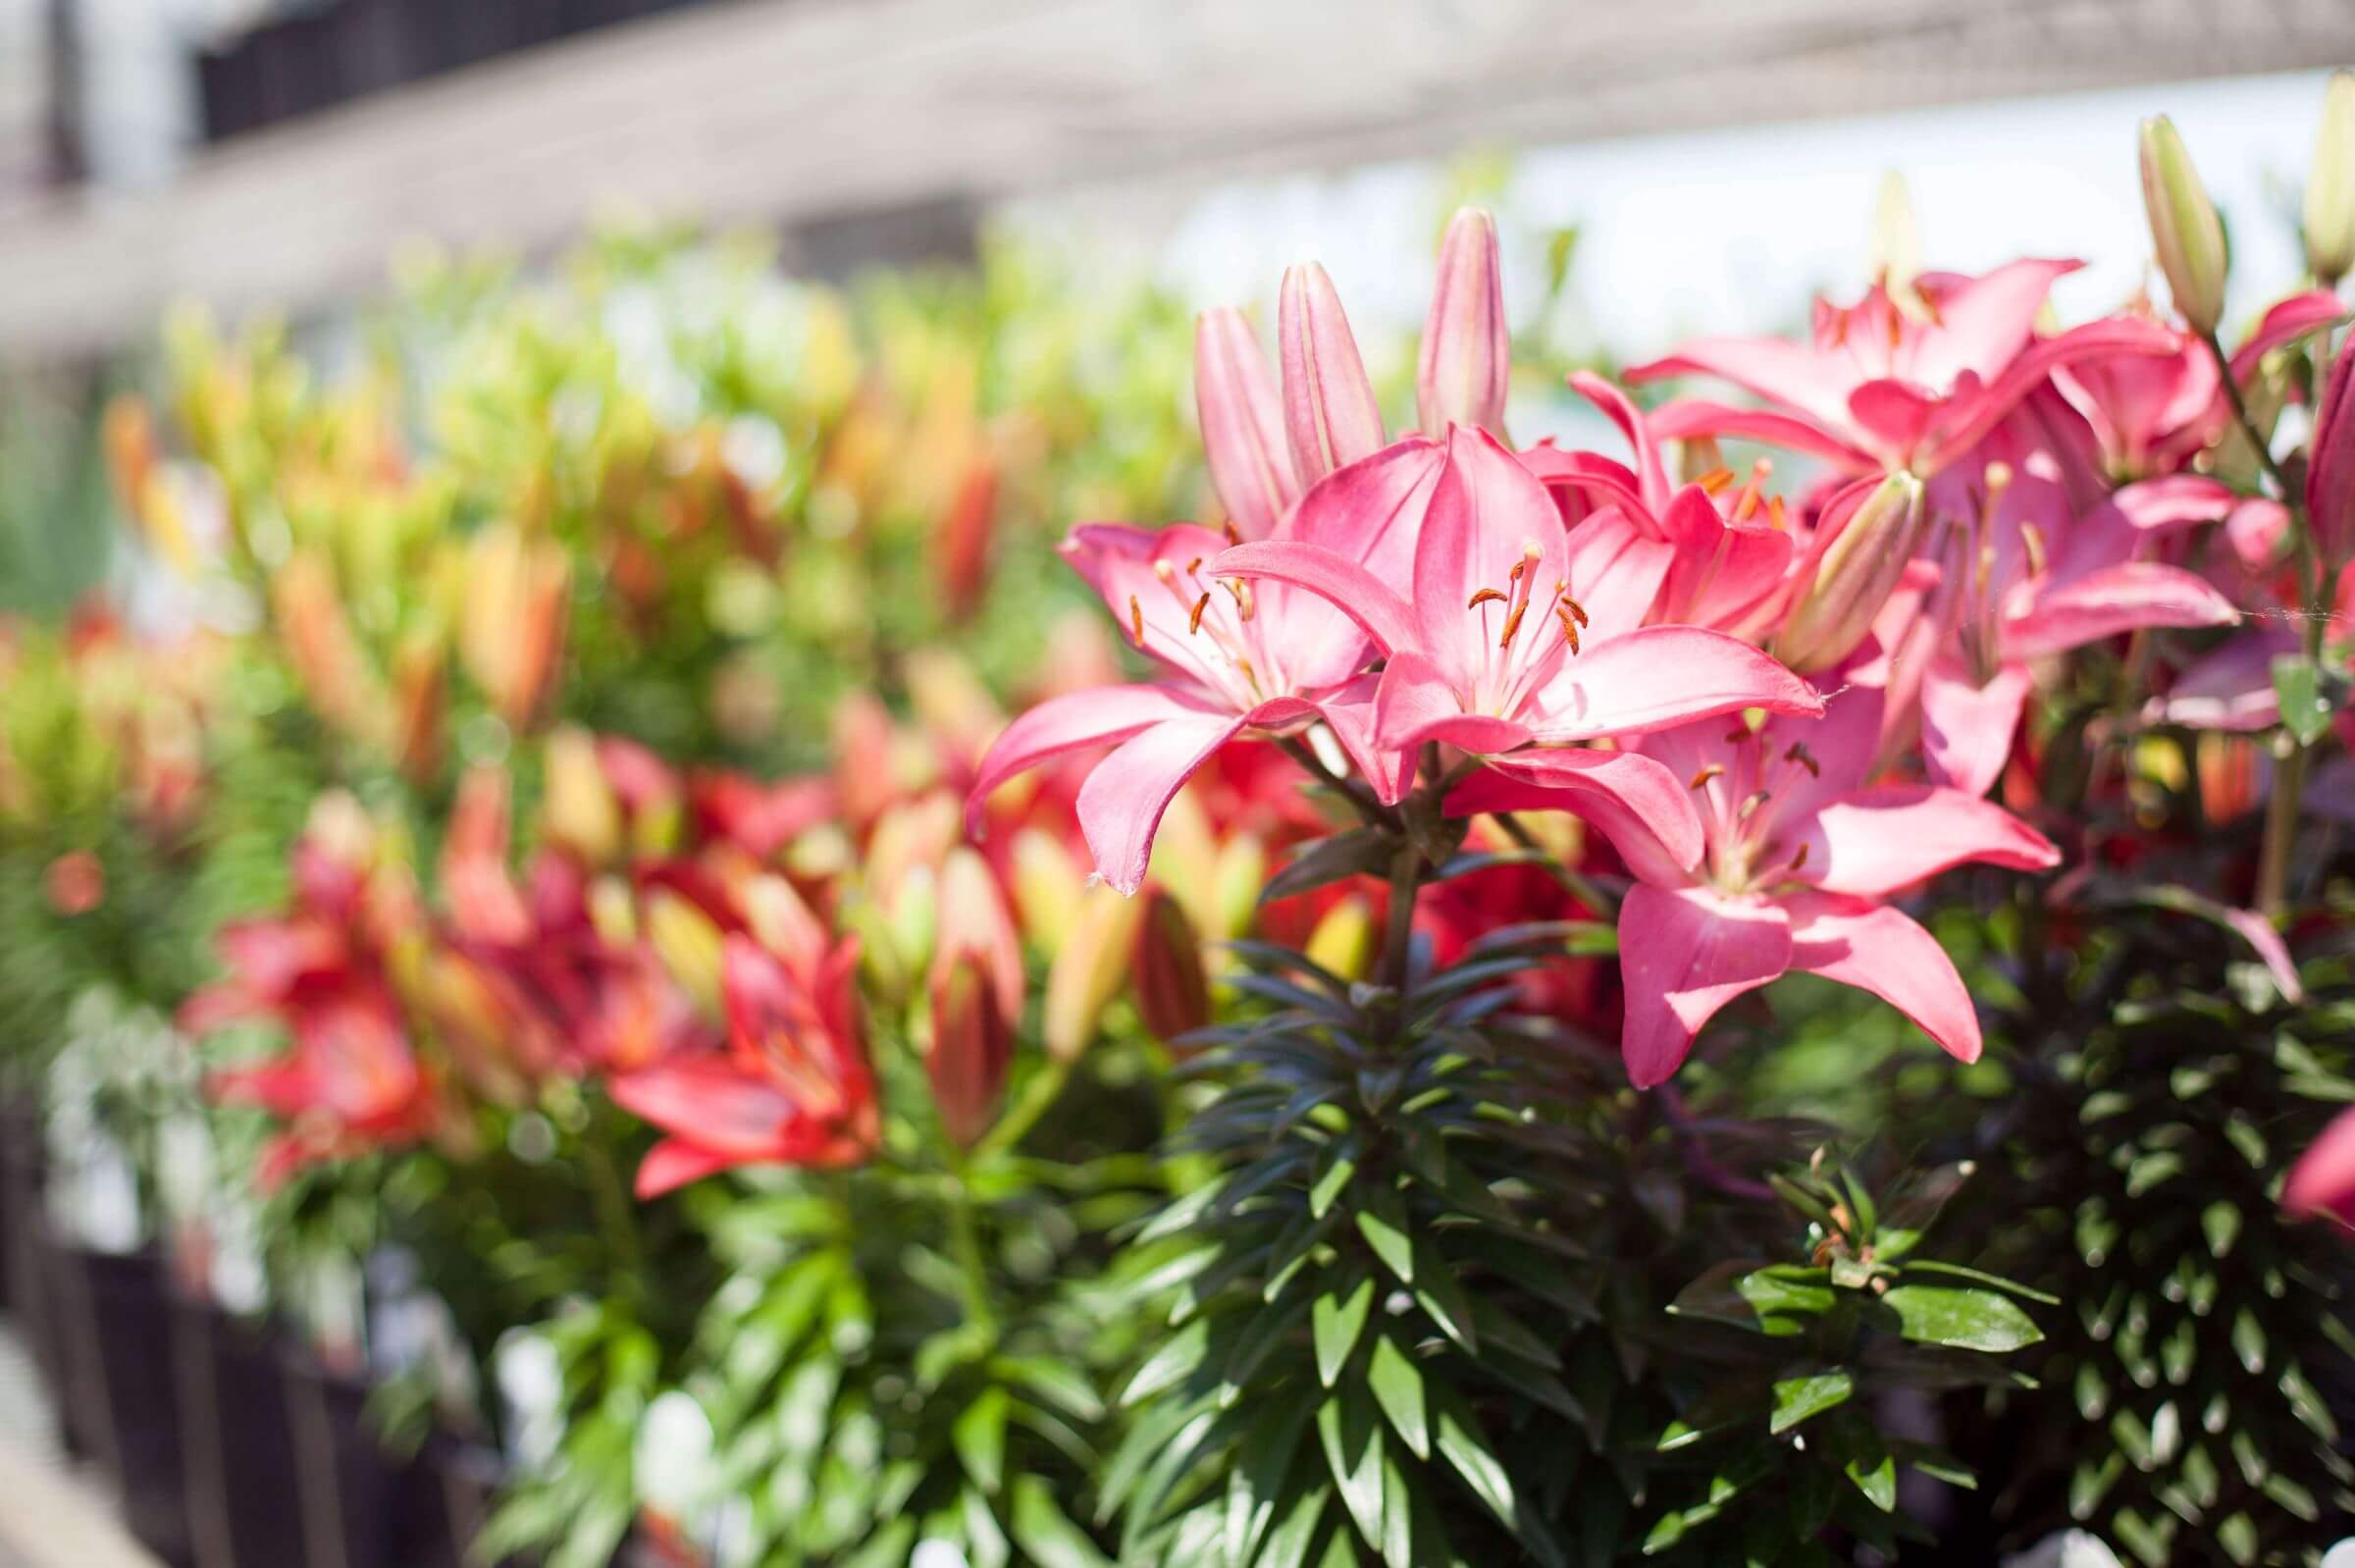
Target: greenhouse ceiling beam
808,112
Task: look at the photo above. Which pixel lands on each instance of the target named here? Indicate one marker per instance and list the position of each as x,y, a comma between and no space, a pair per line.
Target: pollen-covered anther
1486,596
1136,622
1569,626
1577,611
1750,804
2032,539
1512,623
1715,482
1805,759
1194,622
1234,534
1709,772
1799,860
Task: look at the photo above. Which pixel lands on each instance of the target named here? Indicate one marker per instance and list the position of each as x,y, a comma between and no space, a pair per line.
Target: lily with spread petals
1879,388
1797,854
1519,631
1236,656
2027,579
793,1085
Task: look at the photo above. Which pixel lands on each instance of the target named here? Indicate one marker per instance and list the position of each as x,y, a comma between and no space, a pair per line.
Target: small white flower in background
672,1455
2074,1548
936,1553
2341,1555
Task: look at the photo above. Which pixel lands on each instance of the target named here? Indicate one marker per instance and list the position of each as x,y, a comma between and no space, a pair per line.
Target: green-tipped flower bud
1173,989
1090,970
2331,184
2184,229
1855,576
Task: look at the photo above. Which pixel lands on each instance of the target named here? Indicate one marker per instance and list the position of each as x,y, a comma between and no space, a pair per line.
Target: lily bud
1048,888
1090,970
1343,941
974,921
2331,184
1173,990
2331,465
578,810
689,945
973,1044
511,626
1467,349
2184,229
1855,576
1243,424
418,699
1896,248
1329,411
316,633
1240,876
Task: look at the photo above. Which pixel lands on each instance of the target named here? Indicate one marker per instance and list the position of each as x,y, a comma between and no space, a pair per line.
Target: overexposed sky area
1732,230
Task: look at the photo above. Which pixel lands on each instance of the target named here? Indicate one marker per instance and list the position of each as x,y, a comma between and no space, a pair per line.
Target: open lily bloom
1236,655
1519,631
1880,388
2028,579
1795,855
793,1085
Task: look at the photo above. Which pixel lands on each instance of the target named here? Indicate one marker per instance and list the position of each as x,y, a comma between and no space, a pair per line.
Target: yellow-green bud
2184,229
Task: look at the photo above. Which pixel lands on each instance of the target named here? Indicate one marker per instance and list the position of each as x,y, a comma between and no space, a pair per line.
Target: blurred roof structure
856,123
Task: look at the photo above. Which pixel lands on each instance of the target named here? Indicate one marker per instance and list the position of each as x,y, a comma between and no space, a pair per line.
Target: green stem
1406,880
2289,755
1042,1090
616,1216
964,1241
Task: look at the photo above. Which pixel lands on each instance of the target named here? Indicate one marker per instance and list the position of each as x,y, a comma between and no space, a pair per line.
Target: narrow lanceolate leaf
1351,1435
1047,1538
1466,1449
1169,1365
1336,1322
1877,1482
1359,852
1440,1294
1263,1462
1961,1319
1798,1398
979,1437
1383,1222
1329,1186
1397,1384
1290,1540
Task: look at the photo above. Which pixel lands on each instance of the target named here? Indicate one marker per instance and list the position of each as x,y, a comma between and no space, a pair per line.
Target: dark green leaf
1397,1384
1360,851
2305,701
1798,1398
1046,1536
1351,1434
1169,1365
1961,1319
979,1437
1334,1322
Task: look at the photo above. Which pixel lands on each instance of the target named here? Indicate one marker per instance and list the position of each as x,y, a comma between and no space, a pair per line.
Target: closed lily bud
1853,578
1344,940
578,810
973,1044
419,692
1329,411
974,921
1896,258
1173,989
1048,887
511,625
1467,349
2184,227
1243,424
2331,184
689,945
2331,465
1090,970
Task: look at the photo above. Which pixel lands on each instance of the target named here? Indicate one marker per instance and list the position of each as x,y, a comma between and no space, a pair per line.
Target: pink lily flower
1798,854
2322,1181
1237,656
1518,631
1880,388
2030,580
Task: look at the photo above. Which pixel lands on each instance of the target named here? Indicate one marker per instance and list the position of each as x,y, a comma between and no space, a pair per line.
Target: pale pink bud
1243,424
1329,411
1467,349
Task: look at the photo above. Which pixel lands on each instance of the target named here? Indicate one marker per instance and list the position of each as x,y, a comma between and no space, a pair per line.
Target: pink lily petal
2285,321
1722,572
1120,804
1600,481
1885,952
2114,600
2230,689
1350,713
1684,953
1967,728
2322,1181
1485,516
1978,412
1894,415
1983,323
1371,511
1615,573
1694,416
1876,841
674,1163
1660,676
1369,602
711,1100
1652,487
2180,500
1791,374
2258,530
1415,704
1072,722
1243,438
1643,807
